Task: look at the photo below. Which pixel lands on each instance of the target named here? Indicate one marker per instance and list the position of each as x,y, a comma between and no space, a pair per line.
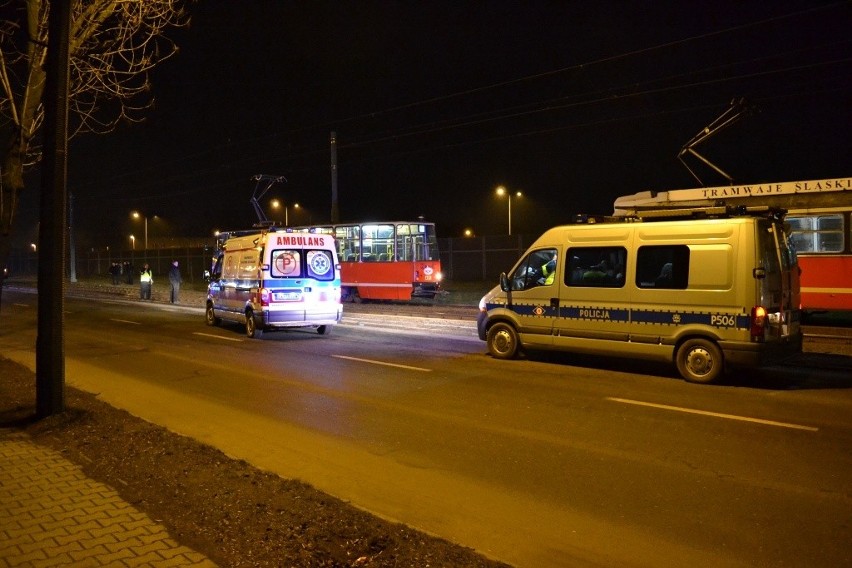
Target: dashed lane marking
384,363
217,336
125,321
715,414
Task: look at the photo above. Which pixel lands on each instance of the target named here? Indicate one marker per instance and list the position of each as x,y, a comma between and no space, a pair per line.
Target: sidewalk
51,514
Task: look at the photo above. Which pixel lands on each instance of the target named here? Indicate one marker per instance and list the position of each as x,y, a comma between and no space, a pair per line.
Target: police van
707,293
275,279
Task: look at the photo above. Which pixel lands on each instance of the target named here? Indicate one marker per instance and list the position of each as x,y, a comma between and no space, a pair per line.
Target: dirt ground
224,508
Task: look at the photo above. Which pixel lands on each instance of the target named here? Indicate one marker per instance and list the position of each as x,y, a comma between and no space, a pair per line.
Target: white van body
705,294
275,279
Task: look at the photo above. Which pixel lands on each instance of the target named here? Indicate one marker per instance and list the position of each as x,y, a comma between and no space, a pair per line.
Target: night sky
437,103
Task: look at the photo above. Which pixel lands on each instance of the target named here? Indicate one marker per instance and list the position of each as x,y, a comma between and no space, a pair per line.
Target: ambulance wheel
502,340
699,361
211,316
252,330
324,329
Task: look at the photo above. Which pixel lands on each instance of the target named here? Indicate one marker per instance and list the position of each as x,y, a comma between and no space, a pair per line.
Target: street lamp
132,242
136,215
276,204
501,191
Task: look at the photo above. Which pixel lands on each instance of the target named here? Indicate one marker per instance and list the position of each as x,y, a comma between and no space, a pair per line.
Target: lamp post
276,204
136,215
501,191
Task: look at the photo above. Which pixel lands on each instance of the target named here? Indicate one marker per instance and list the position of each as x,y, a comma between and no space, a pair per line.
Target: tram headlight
439,276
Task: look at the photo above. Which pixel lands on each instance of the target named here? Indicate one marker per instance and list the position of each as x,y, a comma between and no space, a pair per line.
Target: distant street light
501,191
132,242
136,215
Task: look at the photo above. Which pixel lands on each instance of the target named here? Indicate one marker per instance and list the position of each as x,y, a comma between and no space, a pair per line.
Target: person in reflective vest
548,271
145,282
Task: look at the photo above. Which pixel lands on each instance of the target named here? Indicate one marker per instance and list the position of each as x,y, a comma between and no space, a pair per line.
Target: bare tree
114,44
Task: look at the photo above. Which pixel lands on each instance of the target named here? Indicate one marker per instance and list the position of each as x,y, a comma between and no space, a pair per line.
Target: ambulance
273,279
707,291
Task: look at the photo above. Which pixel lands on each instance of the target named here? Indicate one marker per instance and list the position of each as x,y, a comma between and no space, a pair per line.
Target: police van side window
596,267
663,267
537,269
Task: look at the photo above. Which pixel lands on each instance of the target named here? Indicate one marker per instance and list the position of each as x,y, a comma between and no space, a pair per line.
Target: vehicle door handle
554,302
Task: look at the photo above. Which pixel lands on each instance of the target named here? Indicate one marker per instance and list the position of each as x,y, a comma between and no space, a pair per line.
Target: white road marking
22,305
125,321
373,362
715,414
217,336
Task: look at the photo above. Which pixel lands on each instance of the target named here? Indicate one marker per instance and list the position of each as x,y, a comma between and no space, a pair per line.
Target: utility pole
335,210
72,258
50,342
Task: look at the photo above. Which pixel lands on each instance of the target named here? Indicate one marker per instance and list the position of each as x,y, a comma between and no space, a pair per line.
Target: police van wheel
324,329
252,330
699,361
502,341
211,316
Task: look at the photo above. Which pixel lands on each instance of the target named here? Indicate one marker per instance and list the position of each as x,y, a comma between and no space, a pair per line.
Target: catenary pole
335,209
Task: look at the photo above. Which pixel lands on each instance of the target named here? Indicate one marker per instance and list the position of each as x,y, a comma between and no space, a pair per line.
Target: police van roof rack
717,211
587,219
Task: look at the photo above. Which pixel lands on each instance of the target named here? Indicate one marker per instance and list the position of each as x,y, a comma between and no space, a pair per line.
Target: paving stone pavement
51,514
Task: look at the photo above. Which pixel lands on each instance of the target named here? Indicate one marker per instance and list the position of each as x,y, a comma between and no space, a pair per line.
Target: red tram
386,260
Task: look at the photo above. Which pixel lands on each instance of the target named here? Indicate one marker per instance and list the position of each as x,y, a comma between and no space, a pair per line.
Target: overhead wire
589,98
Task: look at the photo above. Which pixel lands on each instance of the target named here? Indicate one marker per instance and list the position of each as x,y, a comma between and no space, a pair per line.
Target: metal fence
193,262
480,258
462,259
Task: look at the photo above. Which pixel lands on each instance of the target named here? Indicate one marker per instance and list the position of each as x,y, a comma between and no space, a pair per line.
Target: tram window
377,242
348,239
416,241
817,233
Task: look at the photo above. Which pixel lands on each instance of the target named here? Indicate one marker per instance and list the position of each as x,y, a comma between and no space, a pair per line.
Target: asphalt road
556,461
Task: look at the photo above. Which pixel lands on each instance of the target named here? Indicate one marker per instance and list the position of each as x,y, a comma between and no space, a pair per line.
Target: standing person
129,272
174,282
146,279
115,271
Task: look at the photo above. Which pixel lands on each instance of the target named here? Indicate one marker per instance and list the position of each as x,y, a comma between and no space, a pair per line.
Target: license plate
287,296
